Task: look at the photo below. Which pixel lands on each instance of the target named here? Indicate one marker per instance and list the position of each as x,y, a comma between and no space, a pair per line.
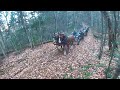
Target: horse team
67,42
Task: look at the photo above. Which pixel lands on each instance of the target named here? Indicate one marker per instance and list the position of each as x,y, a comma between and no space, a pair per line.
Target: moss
87,75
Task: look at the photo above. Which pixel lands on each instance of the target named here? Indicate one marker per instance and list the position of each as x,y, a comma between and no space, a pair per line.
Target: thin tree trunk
91,19
118,15
118,26
41,37
8,31
2,41
74,20
2,46
107,18
115,30
14,46
2,50
67,21
111,55
24,27
55,15
17,40
102,40
106,30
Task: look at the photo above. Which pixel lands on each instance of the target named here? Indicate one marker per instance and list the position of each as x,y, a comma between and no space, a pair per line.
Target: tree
22,21
13,25
55,17
102,39
115,29
8,31
2,45
110,32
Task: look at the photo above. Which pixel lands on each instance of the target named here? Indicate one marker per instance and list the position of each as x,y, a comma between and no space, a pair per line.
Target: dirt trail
46,62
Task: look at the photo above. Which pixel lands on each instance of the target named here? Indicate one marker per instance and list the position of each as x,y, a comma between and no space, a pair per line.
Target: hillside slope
46,62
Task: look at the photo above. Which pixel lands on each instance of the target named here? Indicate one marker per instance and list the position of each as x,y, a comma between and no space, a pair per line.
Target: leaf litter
46,62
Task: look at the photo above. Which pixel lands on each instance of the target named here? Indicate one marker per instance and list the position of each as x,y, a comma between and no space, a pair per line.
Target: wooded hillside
24,32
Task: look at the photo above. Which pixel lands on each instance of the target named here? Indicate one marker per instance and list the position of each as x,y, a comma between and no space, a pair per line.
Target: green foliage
71,69
109,74
78,77
87,75
116,54
86,67
65,76
100,65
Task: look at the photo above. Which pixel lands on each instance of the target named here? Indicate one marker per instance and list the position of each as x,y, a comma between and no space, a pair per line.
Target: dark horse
85,30
60,39
56,40
78,36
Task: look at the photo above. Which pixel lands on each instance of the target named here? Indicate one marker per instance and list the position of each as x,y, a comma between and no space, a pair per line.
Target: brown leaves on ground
46,62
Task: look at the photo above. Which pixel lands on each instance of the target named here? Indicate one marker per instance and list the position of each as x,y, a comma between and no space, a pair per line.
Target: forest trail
46,62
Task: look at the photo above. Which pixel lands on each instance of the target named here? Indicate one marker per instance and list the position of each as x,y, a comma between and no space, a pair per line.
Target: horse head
61,37
55,37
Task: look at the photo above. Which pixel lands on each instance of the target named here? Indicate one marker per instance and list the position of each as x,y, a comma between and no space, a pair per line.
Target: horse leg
65,50
57,46
72,45
68,47
78,42
62,47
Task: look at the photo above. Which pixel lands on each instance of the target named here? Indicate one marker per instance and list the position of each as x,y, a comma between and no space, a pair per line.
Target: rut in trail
46,62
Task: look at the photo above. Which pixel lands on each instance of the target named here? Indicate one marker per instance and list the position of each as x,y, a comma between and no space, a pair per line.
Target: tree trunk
91,19
115,30
111,39
2,50
55,15
13,44
41,39
102,40
107,18
24,27
2,41
106,30
67,21
111,55
2,45
74,20
17,40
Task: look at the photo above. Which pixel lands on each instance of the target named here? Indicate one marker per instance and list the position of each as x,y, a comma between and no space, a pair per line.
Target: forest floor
46,62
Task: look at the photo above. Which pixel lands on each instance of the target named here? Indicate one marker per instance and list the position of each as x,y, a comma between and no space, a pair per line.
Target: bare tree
22,20
2,46
115,29
102,39
110,32
8,30
55,17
